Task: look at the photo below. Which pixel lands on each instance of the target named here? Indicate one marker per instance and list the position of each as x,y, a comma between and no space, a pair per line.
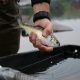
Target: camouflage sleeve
3,2
8,10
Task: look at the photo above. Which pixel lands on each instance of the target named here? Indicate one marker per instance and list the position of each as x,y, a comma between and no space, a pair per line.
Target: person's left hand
47,25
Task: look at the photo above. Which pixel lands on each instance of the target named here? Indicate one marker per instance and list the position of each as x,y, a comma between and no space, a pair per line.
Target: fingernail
44,34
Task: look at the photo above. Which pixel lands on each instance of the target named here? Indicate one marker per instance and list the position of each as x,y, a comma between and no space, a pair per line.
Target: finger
42,47
45,48
37,43
32,38
48,30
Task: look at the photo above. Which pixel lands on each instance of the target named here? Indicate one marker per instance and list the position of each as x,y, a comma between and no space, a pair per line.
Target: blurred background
60,9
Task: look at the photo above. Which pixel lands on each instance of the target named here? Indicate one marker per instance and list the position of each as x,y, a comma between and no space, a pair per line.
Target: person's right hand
47,25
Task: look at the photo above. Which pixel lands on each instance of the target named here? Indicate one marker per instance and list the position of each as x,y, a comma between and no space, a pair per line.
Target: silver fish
50,40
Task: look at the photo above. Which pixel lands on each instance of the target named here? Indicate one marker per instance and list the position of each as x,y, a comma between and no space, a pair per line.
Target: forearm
41,7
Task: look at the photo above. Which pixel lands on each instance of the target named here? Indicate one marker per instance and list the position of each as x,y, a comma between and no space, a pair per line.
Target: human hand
47,25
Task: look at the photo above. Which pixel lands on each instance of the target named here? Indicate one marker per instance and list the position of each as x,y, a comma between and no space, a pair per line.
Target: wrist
41,15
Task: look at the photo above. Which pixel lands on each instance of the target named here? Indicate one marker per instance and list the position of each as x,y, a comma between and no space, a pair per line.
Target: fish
50,40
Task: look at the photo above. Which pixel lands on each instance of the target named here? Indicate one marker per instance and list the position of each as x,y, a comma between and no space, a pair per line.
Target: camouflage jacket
8,10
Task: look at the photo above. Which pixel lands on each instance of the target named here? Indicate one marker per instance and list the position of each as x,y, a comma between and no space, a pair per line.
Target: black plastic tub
37,62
